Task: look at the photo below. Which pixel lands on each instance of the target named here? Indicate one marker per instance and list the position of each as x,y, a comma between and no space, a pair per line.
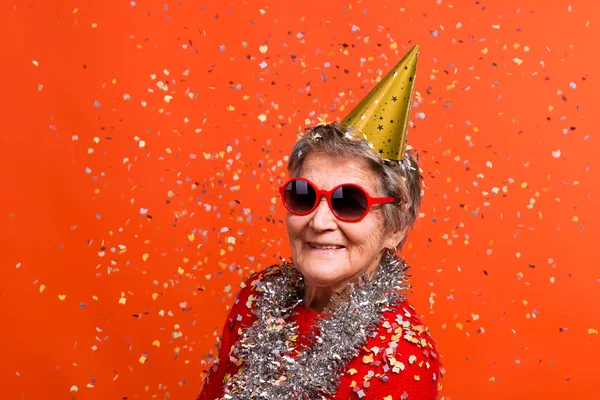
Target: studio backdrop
143,144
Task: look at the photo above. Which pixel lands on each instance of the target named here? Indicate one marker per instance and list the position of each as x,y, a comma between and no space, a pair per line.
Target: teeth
326,247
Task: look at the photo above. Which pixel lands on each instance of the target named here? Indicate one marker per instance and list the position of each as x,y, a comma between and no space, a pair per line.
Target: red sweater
401,362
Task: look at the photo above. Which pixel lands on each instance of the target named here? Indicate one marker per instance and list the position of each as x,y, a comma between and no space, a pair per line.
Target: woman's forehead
328,171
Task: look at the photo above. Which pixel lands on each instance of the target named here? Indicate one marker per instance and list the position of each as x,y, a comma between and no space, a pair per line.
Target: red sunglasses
348,202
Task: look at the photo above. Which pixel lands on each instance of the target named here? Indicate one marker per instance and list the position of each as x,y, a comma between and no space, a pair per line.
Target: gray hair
400,180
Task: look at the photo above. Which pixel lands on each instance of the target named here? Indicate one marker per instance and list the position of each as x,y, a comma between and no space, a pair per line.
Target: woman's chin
323,267
322,274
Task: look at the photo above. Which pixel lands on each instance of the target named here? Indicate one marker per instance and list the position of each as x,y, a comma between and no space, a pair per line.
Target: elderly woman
334,323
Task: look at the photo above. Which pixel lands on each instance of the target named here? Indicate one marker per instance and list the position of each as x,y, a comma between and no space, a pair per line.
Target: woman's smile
324,250
319,246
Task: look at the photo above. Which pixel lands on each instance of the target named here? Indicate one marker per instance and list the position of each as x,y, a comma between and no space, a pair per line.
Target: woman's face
357,246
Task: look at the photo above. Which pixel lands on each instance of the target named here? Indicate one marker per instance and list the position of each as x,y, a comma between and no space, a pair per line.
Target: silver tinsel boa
274,367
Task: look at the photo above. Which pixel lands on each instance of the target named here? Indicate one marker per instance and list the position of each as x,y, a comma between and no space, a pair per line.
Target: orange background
142,146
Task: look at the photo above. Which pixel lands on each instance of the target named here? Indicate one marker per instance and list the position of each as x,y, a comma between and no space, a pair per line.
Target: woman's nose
323,219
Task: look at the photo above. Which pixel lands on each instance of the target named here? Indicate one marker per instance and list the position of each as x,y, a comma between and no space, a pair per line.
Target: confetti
556,153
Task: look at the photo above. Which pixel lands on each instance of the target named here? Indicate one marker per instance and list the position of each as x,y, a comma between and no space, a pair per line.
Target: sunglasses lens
349,202
299,196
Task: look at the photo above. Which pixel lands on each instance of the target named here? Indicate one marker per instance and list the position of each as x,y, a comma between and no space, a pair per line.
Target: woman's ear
392,239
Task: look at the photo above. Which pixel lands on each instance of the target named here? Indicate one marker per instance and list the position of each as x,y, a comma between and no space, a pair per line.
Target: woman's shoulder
408,344
402,325
401,358
250,291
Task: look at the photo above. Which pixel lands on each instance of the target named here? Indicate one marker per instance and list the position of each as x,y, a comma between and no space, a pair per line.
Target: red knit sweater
400,362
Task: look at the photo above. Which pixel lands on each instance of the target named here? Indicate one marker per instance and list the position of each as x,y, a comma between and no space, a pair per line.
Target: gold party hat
383,115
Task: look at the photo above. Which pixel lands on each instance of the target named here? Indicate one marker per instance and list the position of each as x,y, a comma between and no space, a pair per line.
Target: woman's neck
316,298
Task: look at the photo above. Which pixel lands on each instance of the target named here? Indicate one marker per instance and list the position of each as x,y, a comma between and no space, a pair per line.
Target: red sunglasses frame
371,201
